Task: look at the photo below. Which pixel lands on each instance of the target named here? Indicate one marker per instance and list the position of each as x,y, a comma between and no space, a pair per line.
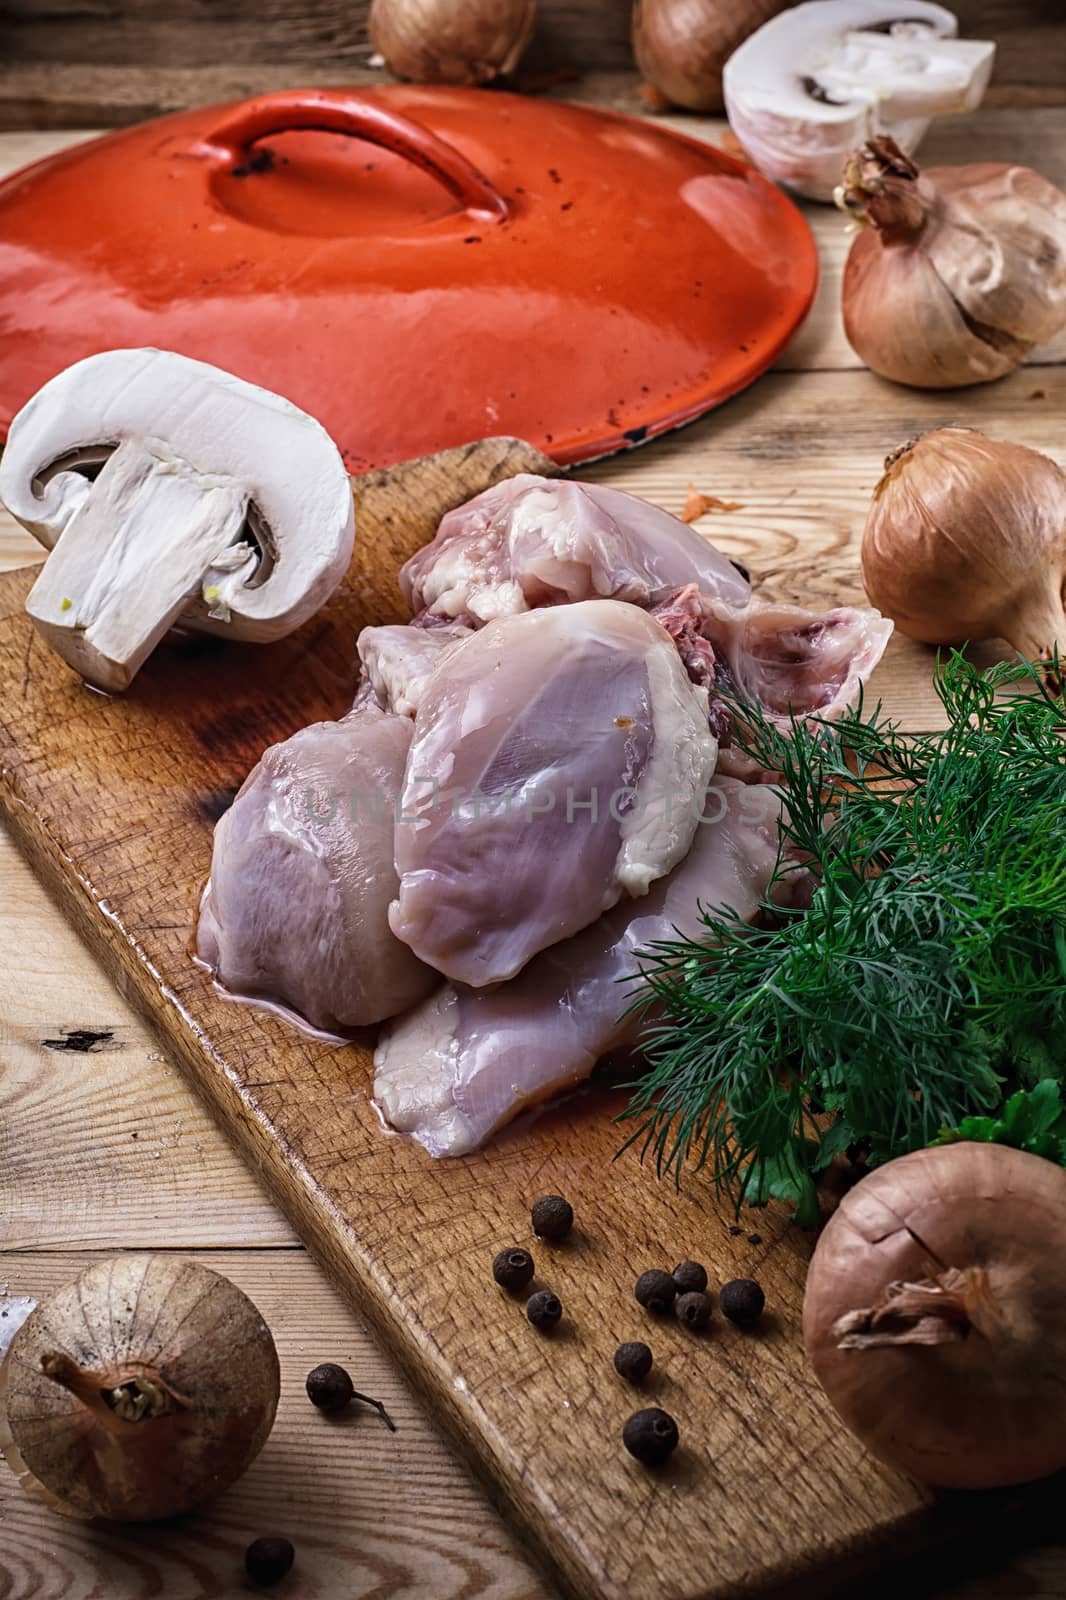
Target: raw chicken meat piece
790,661
796,663
296,908
398,659
544,541
466,1061
533,542
559,761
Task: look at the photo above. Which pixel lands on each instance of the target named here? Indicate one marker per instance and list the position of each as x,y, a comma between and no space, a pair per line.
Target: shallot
935,1315
442,41
958,271
966,540
681,46
137,1391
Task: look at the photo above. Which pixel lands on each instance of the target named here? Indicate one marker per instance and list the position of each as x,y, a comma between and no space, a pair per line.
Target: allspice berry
633,1361
656,1291
742,1301
513,1269
329,1387
553,1217
690,1277
266,1561
694,1311
651,1436
544,1309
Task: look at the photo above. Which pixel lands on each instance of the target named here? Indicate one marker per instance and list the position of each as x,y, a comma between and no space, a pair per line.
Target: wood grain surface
60,1109
71,62
113,801
413,1520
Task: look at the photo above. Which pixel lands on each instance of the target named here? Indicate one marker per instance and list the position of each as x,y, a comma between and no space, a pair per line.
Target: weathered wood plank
77,62
106,799
801,437
333,33
326,33
101,1144
394,1516
802,452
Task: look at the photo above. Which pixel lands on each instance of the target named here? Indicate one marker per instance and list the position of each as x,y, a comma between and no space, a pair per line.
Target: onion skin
681,46
985,1405
966,540
451,41
183,1339
960,271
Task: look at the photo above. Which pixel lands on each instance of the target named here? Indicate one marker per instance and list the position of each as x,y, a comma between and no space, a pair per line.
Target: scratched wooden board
113,801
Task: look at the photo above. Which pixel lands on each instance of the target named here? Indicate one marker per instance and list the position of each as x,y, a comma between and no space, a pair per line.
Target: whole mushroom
169,491
819,78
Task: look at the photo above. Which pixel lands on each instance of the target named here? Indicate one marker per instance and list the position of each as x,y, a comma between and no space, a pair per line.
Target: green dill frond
926,982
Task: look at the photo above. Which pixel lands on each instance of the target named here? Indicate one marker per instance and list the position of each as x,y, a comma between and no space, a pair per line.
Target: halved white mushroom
172,492
816,81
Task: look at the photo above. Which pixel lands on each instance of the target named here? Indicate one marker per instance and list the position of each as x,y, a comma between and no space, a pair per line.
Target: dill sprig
927,981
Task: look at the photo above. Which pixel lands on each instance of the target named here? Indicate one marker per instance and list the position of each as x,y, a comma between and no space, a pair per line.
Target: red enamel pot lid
416,267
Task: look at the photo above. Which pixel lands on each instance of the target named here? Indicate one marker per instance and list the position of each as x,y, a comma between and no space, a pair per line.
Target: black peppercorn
651,1436
755,1238
742,1301
690,1277
329,1387
694,1311
632,1361
656,1290
544,1309
553,1217
267,1561
513,1269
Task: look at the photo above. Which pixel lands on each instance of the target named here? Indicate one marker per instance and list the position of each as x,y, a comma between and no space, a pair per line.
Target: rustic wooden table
104,1148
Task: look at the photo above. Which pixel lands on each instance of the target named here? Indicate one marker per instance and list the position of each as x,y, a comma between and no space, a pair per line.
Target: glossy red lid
417,267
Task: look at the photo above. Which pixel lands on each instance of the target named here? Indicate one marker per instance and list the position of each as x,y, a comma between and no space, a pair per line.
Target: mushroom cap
791,135
227,431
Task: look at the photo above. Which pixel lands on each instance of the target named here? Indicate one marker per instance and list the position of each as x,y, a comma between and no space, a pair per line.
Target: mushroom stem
912,74
933,1311
132,558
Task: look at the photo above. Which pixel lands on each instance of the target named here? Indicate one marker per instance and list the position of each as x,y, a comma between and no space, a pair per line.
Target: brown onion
960,271
138,1390
966,540
681,46
451,41
935,1315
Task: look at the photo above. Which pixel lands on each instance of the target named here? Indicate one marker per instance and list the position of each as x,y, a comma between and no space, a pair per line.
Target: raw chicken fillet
465,1061
534,542
547,541
398,660
296,909
550,745
559,761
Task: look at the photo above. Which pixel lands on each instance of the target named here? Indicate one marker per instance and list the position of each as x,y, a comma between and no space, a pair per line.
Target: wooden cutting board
114,801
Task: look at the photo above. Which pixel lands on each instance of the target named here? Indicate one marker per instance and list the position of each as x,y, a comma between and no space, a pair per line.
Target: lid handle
362,118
